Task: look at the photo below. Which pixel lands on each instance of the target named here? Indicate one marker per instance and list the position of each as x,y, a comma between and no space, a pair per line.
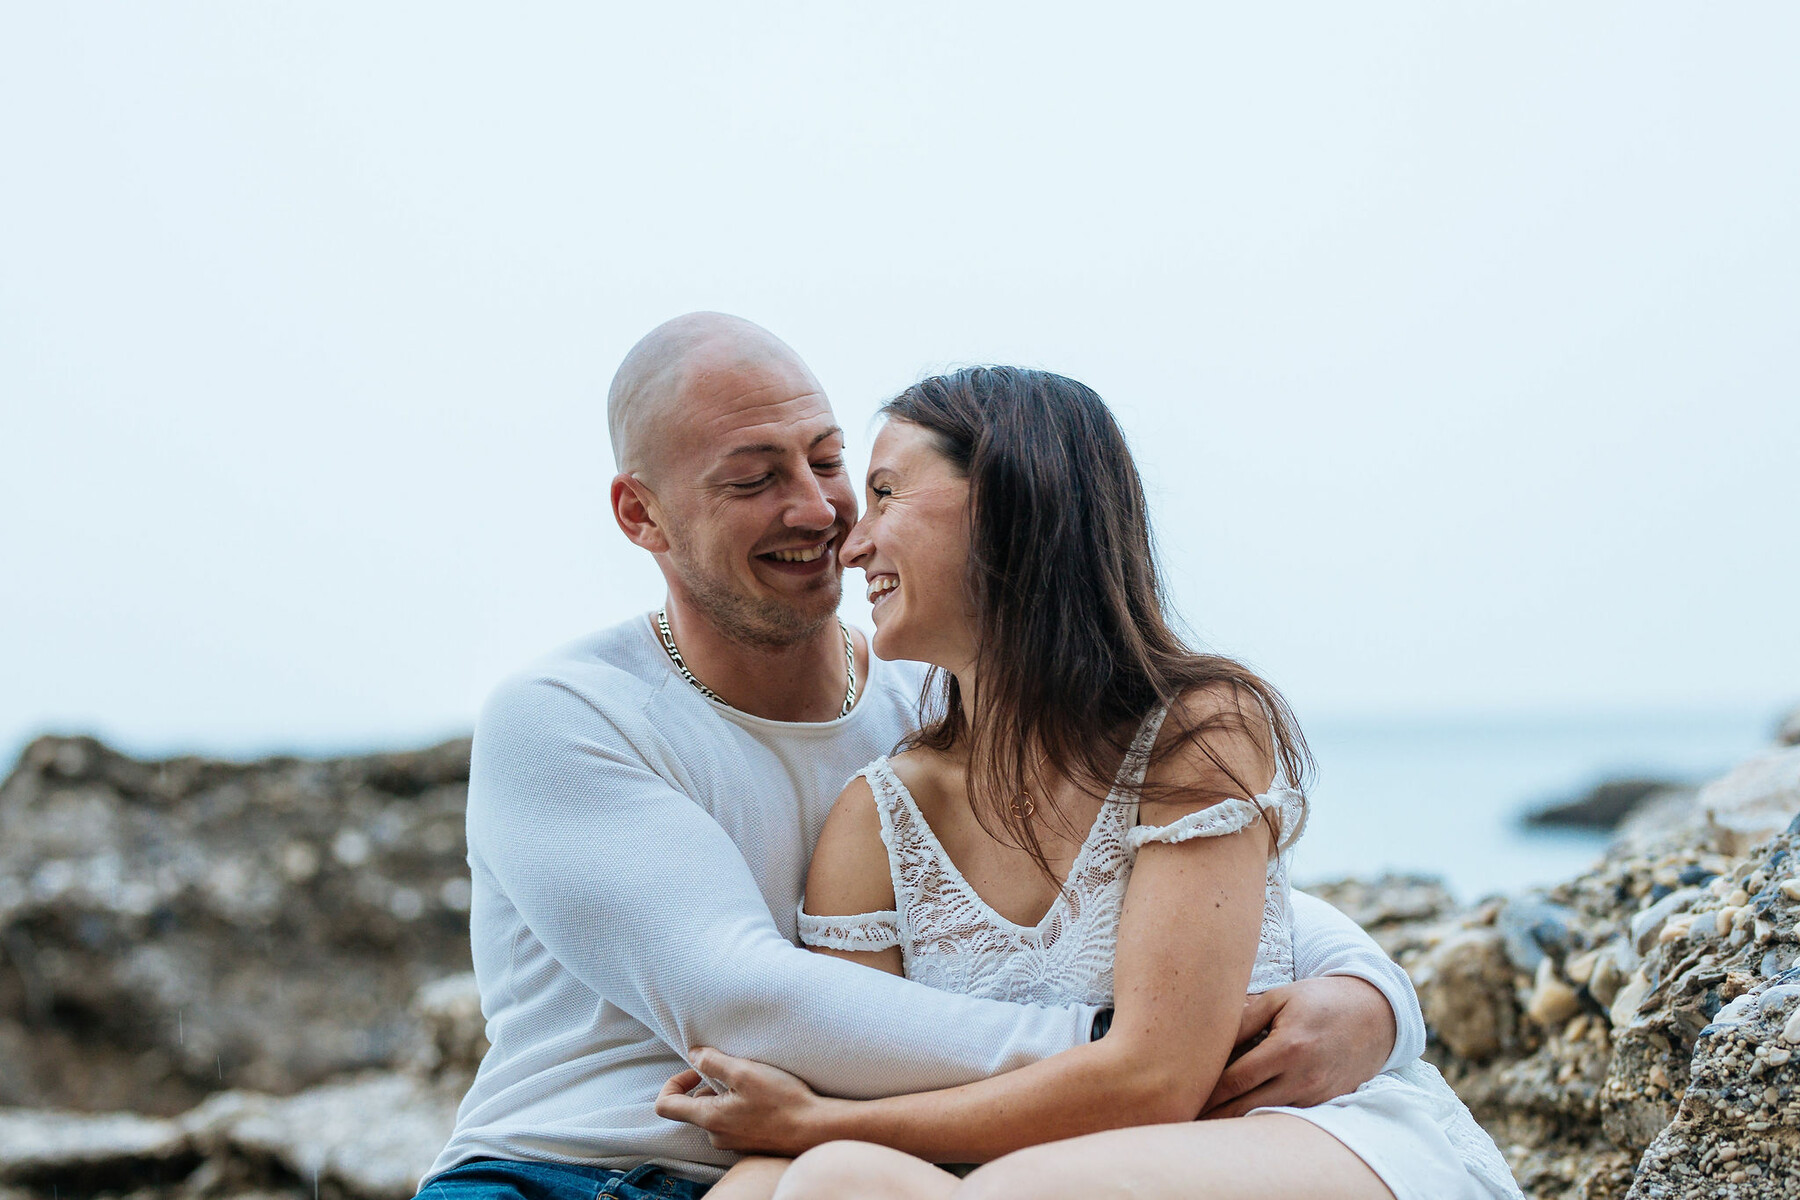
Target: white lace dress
1406,1124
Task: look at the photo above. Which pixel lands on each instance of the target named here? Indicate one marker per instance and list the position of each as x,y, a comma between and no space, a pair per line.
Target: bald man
643,805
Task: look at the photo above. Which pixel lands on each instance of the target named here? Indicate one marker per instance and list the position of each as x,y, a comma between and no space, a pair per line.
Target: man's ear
634,508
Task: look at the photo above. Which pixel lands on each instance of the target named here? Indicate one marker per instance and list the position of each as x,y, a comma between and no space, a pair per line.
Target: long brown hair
1073,645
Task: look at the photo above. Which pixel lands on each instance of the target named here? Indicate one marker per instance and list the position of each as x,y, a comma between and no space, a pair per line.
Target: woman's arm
1178,989
849,875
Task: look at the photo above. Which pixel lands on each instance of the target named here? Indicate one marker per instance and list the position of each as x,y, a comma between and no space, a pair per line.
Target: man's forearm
1326,942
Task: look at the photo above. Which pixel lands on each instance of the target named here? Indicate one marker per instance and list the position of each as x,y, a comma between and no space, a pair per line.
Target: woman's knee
1038,1173
839,1169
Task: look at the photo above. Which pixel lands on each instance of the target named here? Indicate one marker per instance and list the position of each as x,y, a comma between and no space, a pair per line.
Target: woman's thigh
753,1178
1266,1157
863,1171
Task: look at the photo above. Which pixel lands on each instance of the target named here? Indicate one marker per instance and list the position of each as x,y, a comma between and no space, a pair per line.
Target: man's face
756,501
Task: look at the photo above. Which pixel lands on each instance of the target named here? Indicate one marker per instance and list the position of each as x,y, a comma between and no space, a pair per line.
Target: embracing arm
641,895
1327,944
1178,990
1350,1013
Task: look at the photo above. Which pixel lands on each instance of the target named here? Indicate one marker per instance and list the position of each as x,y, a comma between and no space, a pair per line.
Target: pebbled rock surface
171,929
1581,1023
248,981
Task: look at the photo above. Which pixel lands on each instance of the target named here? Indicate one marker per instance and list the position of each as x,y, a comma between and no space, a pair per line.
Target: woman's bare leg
1267,1157
841,1170
753,1178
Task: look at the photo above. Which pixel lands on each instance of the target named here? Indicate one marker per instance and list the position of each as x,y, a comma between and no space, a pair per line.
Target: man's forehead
781,427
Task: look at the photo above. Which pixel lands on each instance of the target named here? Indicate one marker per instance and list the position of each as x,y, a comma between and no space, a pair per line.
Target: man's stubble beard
762,623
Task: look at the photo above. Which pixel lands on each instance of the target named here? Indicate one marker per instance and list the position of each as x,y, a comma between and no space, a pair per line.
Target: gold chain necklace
668,641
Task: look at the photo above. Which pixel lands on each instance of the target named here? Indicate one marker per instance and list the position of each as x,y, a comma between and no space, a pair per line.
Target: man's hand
1305,1043
763,1108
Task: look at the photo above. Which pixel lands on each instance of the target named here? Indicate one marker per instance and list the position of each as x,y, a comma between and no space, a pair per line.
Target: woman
1093,817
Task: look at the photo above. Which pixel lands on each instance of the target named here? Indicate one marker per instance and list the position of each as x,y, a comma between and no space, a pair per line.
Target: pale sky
1458,341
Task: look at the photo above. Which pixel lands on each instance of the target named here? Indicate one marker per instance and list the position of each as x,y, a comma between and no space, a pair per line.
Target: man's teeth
807,555
882,586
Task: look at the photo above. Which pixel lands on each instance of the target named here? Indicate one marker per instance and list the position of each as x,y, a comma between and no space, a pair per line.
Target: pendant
1022,811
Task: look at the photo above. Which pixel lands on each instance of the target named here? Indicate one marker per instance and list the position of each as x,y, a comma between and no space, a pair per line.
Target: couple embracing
1032,916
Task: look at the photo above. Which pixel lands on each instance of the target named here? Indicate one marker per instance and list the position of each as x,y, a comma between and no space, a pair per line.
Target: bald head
650,388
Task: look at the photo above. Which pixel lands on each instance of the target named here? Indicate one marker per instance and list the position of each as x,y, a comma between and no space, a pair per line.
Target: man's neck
803,681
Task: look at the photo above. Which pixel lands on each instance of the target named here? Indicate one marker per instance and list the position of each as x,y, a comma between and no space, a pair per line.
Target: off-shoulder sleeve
864,931
1229,816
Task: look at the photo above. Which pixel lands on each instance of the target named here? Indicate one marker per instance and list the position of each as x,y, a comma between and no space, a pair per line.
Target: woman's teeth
809,554
882,587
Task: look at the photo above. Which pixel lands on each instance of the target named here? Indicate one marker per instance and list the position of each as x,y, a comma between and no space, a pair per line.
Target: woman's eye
881,493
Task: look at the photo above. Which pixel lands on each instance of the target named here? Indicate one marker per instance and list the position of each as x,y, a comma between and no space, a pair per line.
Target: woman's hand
763,1108
1305,1043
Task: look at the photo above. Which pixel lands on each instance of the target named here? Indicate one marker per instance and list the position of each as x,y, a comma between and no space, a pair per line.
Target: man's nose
808,505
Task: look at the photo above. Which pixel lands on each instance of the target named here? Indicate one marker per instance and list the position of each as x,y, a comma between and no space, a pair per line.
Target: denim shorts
505,1179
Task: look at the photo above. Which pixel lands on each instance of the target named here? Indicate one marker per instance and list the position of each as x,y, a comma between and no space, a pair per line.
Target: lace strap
864,931
1229,816
1130,780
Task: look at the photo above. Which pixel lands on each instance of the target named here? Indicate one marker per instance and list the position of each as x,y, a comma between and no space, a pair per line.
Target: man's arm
1351,1013
641,895
1329,944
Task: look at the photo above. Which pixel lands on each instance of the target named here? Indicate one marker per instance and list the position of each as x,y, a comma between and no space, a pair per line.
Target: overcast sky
1458,341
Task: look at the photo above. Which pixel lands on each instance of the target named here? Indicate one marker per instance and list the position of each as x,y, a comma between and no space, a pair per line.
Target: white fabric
628,843
1406,1124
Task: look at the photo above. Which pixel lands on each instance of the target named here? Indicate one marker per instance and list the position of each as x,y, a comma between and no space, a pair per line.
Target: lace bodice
950,938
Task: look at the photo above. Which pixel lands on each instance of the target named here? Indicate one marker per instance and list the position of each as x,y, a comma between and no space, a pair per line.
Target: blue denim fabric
504,1179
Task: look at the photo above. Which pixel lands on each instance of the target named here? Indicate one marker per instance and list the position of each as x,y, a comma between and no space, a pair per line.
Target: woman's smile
881,586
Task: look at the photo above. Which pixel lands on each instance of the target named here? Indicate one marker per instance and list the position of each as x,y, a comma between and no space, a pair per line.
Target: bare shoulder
849,873
1215,744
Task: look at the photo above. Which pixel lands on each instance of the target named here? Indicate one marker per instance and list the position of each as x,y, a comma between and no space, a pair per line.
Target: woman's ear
635,508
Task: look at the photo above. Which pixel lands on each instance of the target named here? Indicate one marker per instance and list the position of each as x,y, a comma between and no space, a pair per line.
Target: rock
173,928
1553,1001
1531,928
455,1031
1690,983
1391,907
1737,1130
1605,804
1647,925
1465,987
1755,801
75,1152
373,1137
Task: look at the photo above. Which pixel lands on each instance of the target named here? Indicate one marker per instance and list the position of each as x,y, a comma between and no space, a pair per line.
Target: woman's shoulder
1215,744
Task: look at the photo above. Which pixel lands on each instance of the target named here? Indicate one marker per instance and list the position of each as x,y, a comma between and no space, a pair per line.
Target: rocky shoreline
250,980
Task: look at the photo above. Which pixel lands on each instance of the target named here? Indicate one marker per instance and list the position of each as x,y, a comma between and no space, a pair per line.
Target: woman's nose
858,547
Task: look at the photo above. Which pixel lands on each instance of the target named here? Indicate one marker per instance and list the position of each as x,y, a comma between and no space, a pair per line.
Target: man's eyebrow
772,448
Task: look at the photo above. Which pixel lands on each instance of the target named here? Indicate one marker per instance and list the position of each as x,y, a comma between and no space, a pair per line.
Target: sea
1448,797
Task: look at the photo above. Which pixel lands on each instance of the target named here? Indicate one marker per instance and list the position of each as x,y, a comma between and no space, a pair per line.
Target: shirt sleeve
1326,942
636,891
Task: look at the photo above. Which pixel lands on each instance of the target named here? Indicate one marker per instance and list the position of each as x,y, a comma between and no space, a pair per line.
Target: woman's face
912,544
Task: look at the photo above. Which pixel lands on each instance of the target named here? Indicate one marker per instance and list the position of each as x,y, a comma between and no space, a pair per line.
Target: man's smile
808,558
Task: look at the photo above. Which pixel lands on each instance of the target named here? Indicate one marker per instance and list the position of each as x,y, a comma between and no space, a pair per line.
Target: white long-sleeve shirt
638,853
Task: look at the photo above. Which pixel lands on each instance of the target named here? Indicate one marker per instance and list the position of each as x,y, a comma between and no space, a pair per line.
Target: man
643,804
